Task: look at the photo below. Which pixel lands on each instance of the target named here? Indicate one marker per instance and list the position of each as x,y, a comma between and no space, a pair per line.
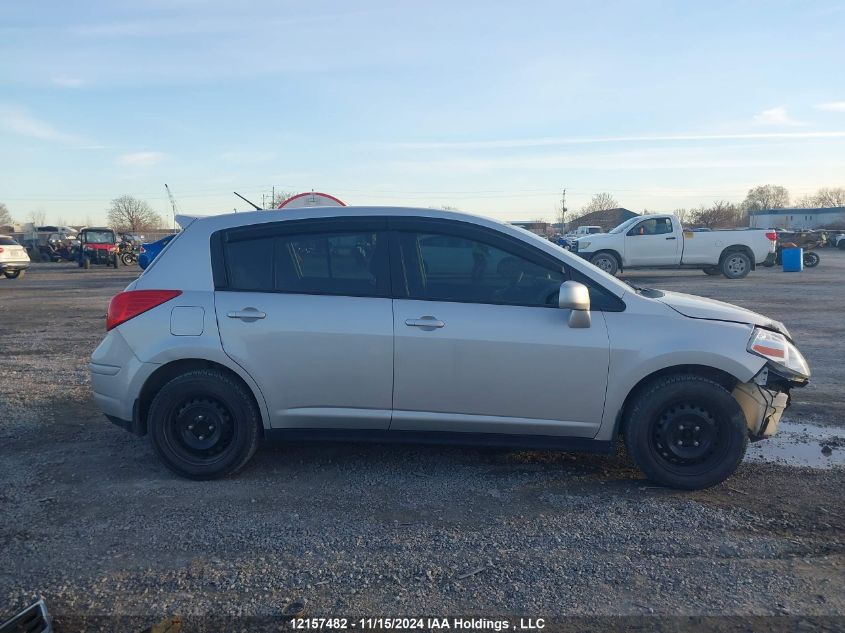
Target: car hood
703,308
594,236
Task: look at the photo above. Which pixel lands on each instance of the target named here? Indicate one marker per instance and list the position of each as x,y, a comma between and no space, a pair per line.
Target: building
833,217
540,228
606,219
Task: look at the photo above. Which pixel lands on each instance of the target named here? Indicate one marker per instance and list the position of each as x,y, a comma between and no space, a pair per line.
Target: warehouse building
833,217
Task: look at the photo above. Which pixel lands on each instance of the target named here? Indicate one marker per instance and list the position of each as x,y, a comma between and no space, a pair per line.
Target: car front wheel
204,425
606,262
685,431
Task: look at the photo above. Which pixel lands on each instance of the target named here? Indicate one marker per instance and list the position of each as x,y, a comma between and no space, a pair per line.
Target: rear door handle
670,238
247,314
425,323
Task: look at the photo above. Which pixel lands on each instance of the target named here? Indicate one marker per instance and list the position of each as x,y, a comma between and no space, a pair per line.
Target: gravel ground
92,522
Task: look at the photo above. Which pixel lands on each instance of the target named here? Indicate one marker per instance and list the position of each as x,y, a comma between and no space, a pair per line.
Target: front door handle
425,323
247,314
670,238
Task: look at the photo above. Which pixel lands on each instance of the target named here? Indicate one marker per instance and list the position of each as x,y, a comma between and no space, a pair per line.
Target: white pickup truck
659,241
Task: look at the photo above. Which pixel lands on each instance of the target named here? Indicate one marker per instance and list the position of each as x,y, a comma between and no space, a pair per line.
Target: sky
491,107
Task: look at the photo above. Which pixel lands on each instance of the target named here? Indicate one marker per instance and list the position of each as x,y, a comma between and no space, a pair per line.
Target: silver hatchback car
423,325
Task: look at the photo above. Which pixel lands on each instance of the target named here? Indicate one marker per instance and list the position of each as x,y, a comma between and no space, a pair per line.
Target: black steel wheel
685,431
204,424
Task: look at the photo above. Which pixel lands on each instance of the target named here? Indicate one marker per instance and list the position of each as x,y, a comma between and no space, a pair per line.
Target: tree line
723,214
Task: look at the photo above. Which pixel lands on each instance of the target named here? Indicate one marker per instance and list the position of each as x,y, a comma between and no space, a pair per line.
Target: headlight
774,347
582,245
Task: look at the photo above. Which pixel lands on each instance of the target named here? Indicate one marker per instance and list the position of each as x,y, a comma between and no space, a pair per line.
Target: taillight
128,305
1,249
772,236
143,250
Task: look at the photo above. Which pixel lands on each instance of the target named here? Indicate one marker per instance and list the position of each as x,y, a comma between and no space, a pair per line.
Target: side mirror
575,297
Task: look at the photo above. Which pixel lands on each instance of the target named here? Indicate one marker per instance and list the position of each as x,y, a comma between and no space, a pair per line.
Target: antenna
257,208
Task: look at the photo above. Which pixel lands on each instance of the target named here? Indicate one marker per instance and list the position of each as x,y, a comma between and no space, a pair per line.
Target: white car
378,323
659,241
14,259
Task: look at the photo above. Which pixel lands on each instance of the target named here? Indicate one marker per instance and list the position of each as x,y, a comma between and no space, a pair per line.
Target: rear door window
351,263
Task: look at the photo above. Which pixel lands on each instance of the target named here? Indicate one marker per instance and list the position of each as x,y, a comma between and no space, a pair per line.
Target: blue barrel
793,260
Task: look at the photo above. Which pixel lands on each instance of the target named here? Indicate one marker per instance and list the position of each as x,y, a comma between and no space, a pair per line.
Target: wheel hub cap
202,426
736,265
685,434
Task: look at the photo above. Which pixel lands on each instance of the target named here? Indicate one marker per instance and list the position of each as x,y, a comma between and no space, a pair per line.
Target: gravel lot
92,522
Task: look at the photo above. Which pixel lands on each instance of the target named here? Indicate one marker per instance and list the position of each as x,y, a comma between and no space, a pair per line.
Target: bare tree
132,215
38,217
600,202
5,216
805,202
683,215
766,197
279,197
719,215
827,198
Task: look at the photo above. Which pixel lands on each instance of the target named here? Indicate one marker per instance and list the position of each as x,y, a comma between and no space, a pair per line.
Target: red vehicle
97,246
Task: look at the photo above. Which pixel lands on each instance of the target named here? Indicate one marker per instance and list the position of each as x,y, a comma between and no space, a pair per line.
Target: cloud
63,81
832,106
141,159
775,116
17,121
653,138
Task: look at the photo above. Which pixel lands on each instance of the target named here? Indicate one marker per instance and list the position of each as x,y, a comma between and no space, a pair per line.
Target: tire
606,261
811,259
223,406
14,274
712,271
735,265
841,245
86,263
685,431
115,262
127,259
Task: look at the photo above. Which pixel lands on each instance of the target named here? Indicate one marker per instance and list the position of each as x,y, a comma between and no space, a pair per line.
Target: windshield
624,226
98,237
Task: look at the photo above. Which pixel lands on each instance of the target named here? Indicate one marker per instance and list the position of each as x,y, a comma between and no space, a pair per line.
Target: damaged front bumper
764,399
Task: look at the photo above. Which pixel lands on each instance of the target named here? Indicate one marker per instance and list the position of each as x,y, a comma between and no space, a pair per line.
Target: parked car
837,240
659,241
97,246
581,231
441,327
13,258
150,250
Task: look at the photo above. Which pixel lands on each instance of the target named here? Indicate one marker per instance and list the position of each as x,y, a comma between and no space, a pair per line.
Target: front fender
644,344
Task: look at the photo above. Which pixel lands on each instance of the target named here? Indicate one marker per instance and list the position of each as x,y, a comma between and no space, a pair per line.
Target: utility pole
563,211
273,199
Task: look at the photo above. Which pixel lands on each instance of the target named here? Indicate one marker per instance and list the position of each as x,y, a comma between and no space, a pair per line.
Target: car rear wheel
685,431
13,274
606,262
736,265
204,425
